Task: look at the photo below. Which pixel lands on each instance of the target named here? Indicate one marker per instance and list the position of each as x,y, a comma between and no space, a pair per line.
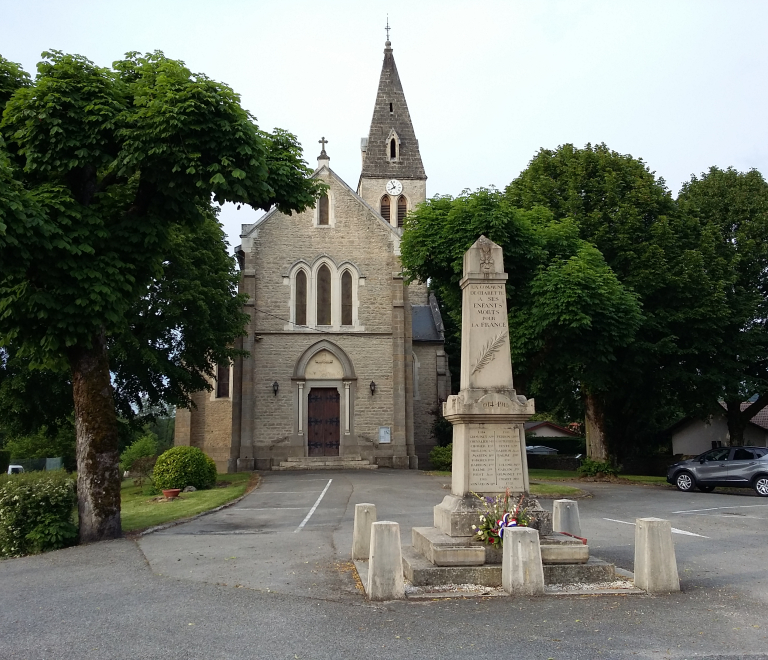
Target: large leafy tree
627,213
568,312
98,170
731,208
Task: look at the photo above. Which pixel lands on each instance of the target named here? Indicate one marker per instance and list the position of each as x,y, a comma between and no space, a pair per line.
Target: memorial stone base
449,554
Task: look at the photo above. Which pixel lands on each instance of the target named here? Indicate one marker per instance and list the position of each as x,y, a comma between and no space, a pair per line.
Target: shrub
5,460
180,467
442,458
441,429
590,468
36,512
142,447
142,468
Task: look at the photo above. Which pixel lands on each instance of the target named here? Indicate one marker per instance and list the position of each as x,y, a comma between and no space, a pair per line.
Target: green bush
590,468
142,447
36,512
5,460
180,467
441,458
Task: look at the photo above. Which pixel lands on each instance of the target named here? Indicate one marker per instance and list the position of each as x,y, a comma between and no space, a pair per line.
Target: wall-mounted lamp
373,388
275,387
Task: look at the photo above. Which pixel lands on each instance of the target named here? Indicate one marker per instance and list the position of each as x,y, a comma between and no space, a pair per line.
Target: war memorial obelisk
487,414
488,451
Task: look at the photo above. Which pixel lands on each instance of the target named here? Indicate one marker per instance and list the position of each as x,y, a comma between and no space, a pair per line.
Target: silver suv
736,467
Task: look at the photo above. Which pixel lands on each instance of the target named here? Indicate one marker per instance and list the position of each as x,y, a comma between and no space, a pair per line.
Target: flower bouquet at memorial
497,516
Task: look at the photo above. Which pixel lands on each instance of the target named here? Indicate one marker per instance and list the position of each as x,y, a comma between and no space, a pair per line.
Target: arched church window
346,298
402,209
322,210
222,381
392,149
323,296
385,207
301,298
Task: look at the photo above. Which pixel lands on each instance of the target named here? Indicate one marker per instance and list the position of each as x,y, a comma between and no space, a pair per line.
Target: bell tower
392,179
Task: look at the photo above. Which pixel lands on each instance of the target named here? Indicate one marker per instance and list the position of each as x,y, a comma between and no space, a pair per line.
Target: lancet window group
325,295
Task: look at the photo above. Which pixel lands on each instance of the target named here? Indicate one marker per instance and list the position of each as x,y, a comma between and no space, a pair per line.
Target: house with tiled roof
692,436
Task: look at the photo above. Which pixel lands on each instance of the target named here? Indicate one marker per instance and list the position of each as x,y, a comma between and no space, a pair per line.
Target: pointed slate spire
391,120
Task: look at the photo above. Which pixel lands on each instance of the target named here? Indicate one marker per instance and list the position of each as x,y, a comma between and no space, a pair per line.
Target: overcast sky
681,85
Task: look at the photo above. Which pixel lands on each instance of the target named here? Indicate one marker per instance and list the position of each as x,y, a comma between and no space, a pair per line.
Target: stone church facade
346,359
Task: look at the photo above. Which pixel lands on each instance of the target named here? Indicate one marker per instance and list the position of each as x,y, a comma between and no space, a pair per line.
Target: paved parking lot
294,533
179,599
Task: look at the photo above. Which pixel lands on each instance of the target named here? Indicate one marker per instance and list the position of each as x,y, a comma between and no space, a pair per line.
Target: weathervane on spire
387,28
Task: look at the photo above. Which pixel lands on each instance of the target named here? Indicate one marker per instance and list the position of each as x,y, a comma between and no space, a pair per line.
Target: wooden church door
323,414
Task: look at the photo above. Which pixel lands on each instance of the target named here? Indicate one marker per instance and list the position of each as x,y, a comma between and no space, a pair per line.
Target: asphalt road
175,594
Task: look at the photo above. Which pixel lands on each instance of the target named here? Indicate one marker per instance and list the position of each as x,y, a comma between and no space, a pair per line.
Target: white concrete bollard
385,567
655,563
522,573
565,517
365,516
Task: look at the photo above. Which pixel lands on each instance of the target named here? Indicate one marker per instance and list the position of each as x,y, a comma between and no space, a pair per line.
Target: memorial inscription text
495,463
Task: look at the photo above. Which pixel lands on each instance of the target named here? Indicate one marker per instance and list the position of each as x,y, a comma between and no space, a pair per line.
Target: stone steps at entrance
325,463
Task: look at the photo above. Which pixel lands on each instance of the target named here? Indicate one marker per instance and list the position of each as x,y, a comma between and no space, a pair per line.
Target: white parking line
715,508
312,510
674,529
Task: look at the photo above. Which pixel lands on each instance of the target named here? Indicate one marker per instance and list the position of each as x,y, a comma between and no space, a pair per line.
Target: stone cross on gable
323,142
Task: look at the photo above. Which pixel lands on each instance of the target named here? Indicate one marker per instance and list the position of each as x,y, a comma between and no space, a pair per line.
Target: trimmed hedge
180,467
36,512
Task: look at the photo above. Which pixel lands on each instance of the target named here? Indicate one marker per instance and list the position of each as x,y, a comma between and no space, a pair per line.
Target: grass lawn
553,490
140,511
553,474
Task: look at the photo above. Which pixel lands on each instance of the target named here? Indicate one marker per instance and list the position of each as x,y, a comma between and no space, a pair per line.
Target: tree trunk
736,423
98,472
594,426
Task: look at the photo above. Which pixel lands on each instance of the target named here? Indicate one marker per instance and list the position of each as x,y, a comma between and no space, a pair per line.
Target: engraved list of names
495,463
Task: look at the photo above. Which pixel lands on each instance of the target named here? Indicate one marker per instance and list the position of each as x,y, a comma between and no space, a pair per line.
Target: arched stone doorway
324,384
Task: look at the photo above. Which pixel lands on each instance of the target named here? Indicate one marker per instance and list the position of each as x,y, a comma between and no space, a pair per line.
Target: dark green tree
731,208
625,211
98,169
568,313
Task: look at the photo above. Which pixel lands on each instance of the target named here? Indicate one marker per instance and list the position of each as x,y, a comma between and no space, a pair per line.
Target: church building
347,363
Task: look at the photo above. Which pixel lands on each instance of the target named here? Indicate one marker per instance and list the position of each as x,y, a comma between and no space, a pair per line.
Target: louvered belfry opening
322,210
301,298
323,296
385,207
402,209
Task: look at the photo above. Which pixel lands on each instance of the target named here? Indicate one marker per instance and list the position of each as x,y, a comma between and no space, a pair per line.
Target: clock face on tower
394,187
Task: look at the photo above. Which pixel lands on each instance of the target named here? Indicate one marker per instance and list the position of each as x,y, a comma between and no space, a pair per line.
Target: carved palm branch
489,350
